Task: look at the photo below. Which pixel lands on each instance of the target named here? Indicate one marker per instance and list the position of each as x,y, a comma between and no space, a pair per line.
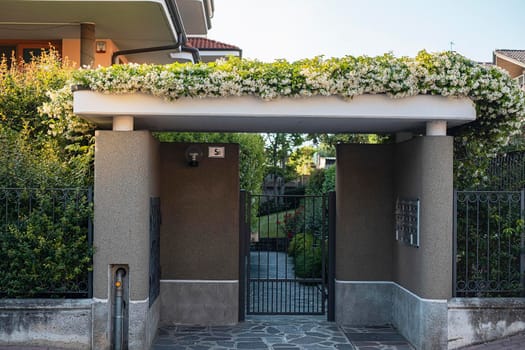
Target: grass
267,225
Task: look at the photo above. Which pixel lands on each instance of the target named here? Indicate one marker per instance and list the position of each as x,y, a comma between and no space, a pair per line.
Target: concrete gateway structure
378,280
167,236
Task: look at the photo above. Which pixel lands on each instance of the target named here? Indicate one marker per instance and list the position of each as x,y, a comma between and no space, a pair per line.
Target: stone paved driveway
280,333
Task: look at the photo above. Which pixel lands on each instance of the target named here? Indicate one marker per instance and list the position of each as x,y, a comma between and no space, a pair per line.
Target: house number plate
215,152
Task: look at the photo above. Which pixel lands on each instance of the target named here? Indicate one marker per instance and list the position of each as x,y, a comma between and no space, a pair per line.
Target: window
7,52
25,49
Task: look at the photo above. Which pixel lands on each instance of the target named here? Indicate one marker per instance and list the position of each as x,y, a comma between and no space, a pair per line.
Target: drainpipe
119,311
179,45
194,52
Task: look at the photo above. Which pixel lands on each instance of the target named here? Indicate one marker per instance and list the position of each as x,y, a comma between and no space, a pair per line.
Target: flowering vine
500,103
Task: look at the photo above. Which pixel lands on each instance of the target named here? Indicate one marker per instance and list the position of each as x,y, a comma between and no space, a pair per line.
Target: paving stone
244,345
279,333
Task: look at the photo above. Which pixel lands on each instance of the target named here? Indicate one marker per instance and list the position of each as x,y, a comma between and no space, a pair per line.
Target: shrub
307,255
293,222
44,243
43,238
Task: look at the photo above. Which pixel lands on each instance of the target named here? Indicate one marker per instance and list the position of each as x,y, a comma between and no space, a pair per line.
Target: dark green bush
307,255
44,244
308,263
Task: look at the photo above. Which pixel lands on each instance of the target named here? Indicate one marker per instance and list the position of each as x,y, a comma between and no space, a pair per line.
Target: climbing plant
500,103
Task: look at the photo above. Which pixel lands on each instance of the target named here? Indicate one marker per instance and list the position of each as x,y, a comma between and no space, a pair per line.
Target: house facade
513,61
99,33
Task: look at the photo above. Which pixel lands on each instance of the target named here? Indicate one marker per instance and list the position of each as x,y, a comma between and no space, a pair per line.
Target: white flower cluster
500,102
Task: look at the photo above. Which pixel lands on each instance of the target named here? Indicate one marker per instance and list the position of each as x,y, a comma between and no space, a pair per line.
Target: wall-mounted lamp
193,155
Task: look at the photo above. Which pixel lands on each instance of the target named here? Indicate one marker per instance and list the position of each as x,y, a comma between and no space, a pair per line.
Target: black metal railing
506,172
489,239
46,238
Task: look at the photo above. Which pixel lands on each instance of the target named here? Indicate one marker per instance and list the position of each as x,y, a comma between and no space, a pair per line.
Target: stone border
478,320
46,322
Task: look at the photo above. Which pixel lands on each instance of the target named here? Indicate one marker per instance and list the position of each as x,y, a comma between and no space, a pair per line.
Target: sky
295,29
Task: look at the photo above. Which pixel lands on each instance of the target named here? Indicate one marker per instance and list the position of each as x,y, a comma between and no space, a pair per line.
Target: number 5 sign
215,152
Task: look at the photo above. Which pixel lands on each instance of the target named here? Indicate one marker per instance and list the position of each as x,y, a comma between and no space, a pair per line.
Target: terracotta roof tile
518,55
204,43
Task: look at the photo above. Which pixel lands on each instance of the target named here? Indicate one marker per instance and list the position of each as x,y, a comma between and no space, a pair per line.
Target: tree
301,161
38,151
278,148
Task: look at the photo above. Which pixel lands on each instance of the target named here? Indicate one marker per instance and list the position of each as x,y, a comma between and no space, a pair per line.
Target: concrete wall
379,280
476,320
423,322
46,322
199,302
423,169
126,176
365,188
199,236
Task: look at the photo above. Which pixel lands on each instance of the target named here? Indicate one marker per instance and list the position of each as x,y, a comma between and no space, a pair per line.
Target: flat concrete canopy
317,114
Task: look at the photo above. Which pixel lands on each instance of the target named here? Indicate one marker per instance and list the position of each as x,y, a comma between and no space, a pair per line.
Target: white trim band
445,301
199,281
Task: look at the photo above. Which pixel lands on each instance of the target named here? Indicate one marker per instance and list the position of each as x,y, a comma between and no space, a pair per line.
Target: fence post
522,243
331,255
242,254
454,242
90,242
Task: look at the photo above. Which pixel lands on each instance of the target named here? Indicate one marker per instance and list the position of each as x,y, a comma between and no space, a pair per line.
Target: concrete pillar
87,44
123,123
378,279
423,275
126,171
437,128
424,171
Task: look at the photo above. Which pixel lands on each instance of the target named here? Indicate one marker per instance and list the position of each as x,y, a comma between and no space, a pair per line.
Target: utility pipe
119,310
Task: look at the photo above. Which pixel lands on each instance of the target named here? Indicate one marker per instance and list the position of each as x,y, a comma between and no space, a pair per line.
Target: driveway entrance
288,262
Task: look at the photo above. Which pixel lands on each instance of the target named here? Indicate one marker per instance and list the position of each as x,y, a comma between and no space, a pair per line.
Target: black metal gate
288,254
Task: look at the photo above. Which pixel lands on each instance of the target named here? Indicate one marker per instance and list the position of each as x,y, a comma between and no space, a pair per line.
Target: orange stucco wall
71,50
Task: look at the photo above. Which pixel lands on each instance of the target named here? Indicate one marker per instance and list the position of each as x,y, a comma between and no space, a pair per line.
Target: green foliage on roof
500,103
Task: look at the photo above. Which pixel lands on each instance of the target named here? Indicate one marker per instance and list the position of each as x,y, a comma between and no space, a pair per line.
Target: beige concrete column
437,128
424,171
123,123
126,172
87,44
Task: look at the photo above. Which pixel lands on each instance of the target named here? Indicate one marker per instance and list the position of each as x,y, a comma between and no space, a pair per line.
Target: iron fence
506,172
489,239
46,238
